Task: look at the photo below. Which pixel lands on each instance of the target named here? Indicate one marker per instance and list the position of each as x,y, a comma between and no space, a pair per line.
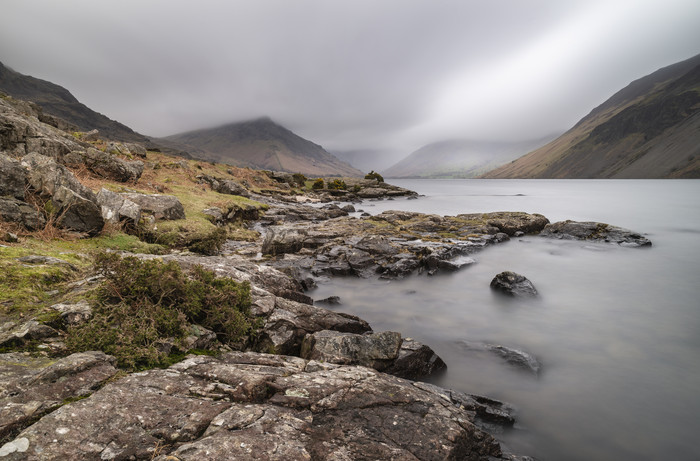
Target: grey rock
74,314
224,186
249,406
166,207
33,386
595,231
49,260
12,177
77,213
22,213
284,240
516,357
106,165
375,350
116,208
136,149
92,135
46,177
415,361
332,300
12,335
513,284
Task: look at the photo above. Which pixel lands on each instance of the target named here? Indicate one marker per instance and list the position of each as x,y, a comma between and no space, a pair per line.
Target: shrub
143,303
337,184
299,179
318,184
209,243
374,175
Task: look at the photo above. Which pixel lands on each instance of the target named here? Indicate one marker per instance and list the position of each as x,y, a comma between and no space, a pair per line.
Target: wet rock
513,284
257,406
415,361
12,177
595,231
375,350
516,357
332,300
16,211
166,207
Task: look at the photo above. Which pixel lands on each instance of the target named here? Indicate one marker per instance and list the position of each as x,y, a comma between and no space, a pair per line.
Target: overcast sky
348,74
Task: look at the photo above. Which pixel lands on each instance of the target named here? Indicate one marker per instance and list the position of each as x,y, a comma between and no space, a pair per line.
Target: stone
513,284
77,213
332,300
74,314
516,357
375,350
249,406
595,231
92,135
12,177
284,240
12,335
106,165
116,208
416,361
166,207
46,177
22,213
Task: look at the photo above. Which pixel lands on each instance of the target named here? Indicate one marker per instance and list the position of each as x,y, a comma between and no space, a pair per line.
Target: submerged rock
515,357
595,231
513,284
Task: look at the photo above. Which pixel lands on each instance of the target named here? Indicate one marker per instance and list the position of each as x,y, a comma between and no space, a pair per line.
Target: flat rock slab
594,231
247,406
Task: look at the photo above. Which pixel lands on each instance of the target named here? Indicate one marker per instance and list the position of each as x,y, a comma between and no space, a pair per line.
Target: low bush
318,184
337,184
374,175
144,304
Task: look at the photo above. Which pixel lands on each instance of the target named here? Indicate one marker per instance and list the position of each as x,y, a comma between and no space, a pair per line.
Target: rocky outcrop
21,213
116,208
166,207
513,284
416,361
105,164
12,178
224,186
596,232
253,406
374,350
77,213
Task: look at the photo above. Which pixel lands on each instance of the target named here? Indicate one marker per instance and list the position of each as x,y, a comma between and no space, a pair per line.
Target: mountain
59,102
262,144
369,159
649,129
459,158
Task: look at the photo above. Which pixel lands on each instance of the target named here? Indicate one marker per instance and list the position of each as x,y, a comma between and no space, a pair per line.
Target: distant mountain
369,159
262,144
57,101
649,129
459,158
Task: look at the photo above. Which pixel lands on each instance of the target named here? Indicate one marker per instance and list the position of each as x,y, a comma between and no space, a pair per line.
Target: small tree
374,175
318,184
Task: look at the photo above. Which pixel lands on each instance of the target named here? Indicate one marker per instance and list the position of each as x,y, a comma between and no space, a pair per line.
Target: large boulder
77,213
116,208
12,177
248,406
22,213
375,350
595,231
284,240
166,207
415,361
106,165
46,177
513,284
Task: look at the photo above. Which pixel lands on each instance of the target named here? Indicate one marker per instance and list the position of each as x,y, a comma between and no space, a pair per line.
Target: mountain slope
262,143
649,129
459,158
58,101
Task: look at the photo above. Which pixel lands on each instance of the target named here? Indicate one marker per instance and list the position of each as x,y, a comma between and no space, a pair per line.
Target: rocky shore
302,382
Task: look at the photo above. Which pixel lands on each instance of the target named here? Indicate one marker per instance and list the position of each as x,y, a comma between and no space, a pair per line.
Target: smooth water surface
617,330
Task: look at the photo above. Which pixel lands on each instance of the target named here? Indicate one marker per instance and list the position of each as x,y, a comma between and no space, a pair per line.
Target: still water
617,330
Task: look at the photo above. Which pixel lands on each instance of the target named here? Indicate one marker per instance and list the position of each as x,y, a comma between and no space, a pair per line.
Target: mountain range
459,158
649,129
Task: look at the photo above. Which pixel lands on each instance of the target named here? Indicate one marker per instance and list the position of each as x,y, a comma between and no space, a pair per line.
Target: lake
617,330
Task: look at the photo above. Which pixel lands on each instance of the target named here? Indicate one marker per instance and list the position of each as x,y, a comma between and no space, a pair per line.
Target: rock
77,213
136,149
50,260
224,186
116,208
595,231
415,361
332,300
284,240
513,284
249,406
12,177
9,237
12,335
106,165
22,213
375,350
512,223
92,135
33,386
166,207
516,357
46,177
348,208
74,314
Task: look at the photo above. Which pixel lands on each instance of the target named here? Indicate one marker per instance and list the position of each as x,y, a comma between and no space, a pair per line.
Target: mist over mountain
261,143
460,158
370,159
649,129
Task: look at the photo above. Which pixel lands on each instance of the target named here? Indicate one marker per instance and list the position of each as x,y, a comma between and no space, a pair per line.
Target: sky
348,74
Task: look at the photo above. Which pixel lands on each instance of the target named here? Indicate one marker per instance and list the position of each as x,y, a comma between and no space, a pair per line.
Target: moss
143,305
